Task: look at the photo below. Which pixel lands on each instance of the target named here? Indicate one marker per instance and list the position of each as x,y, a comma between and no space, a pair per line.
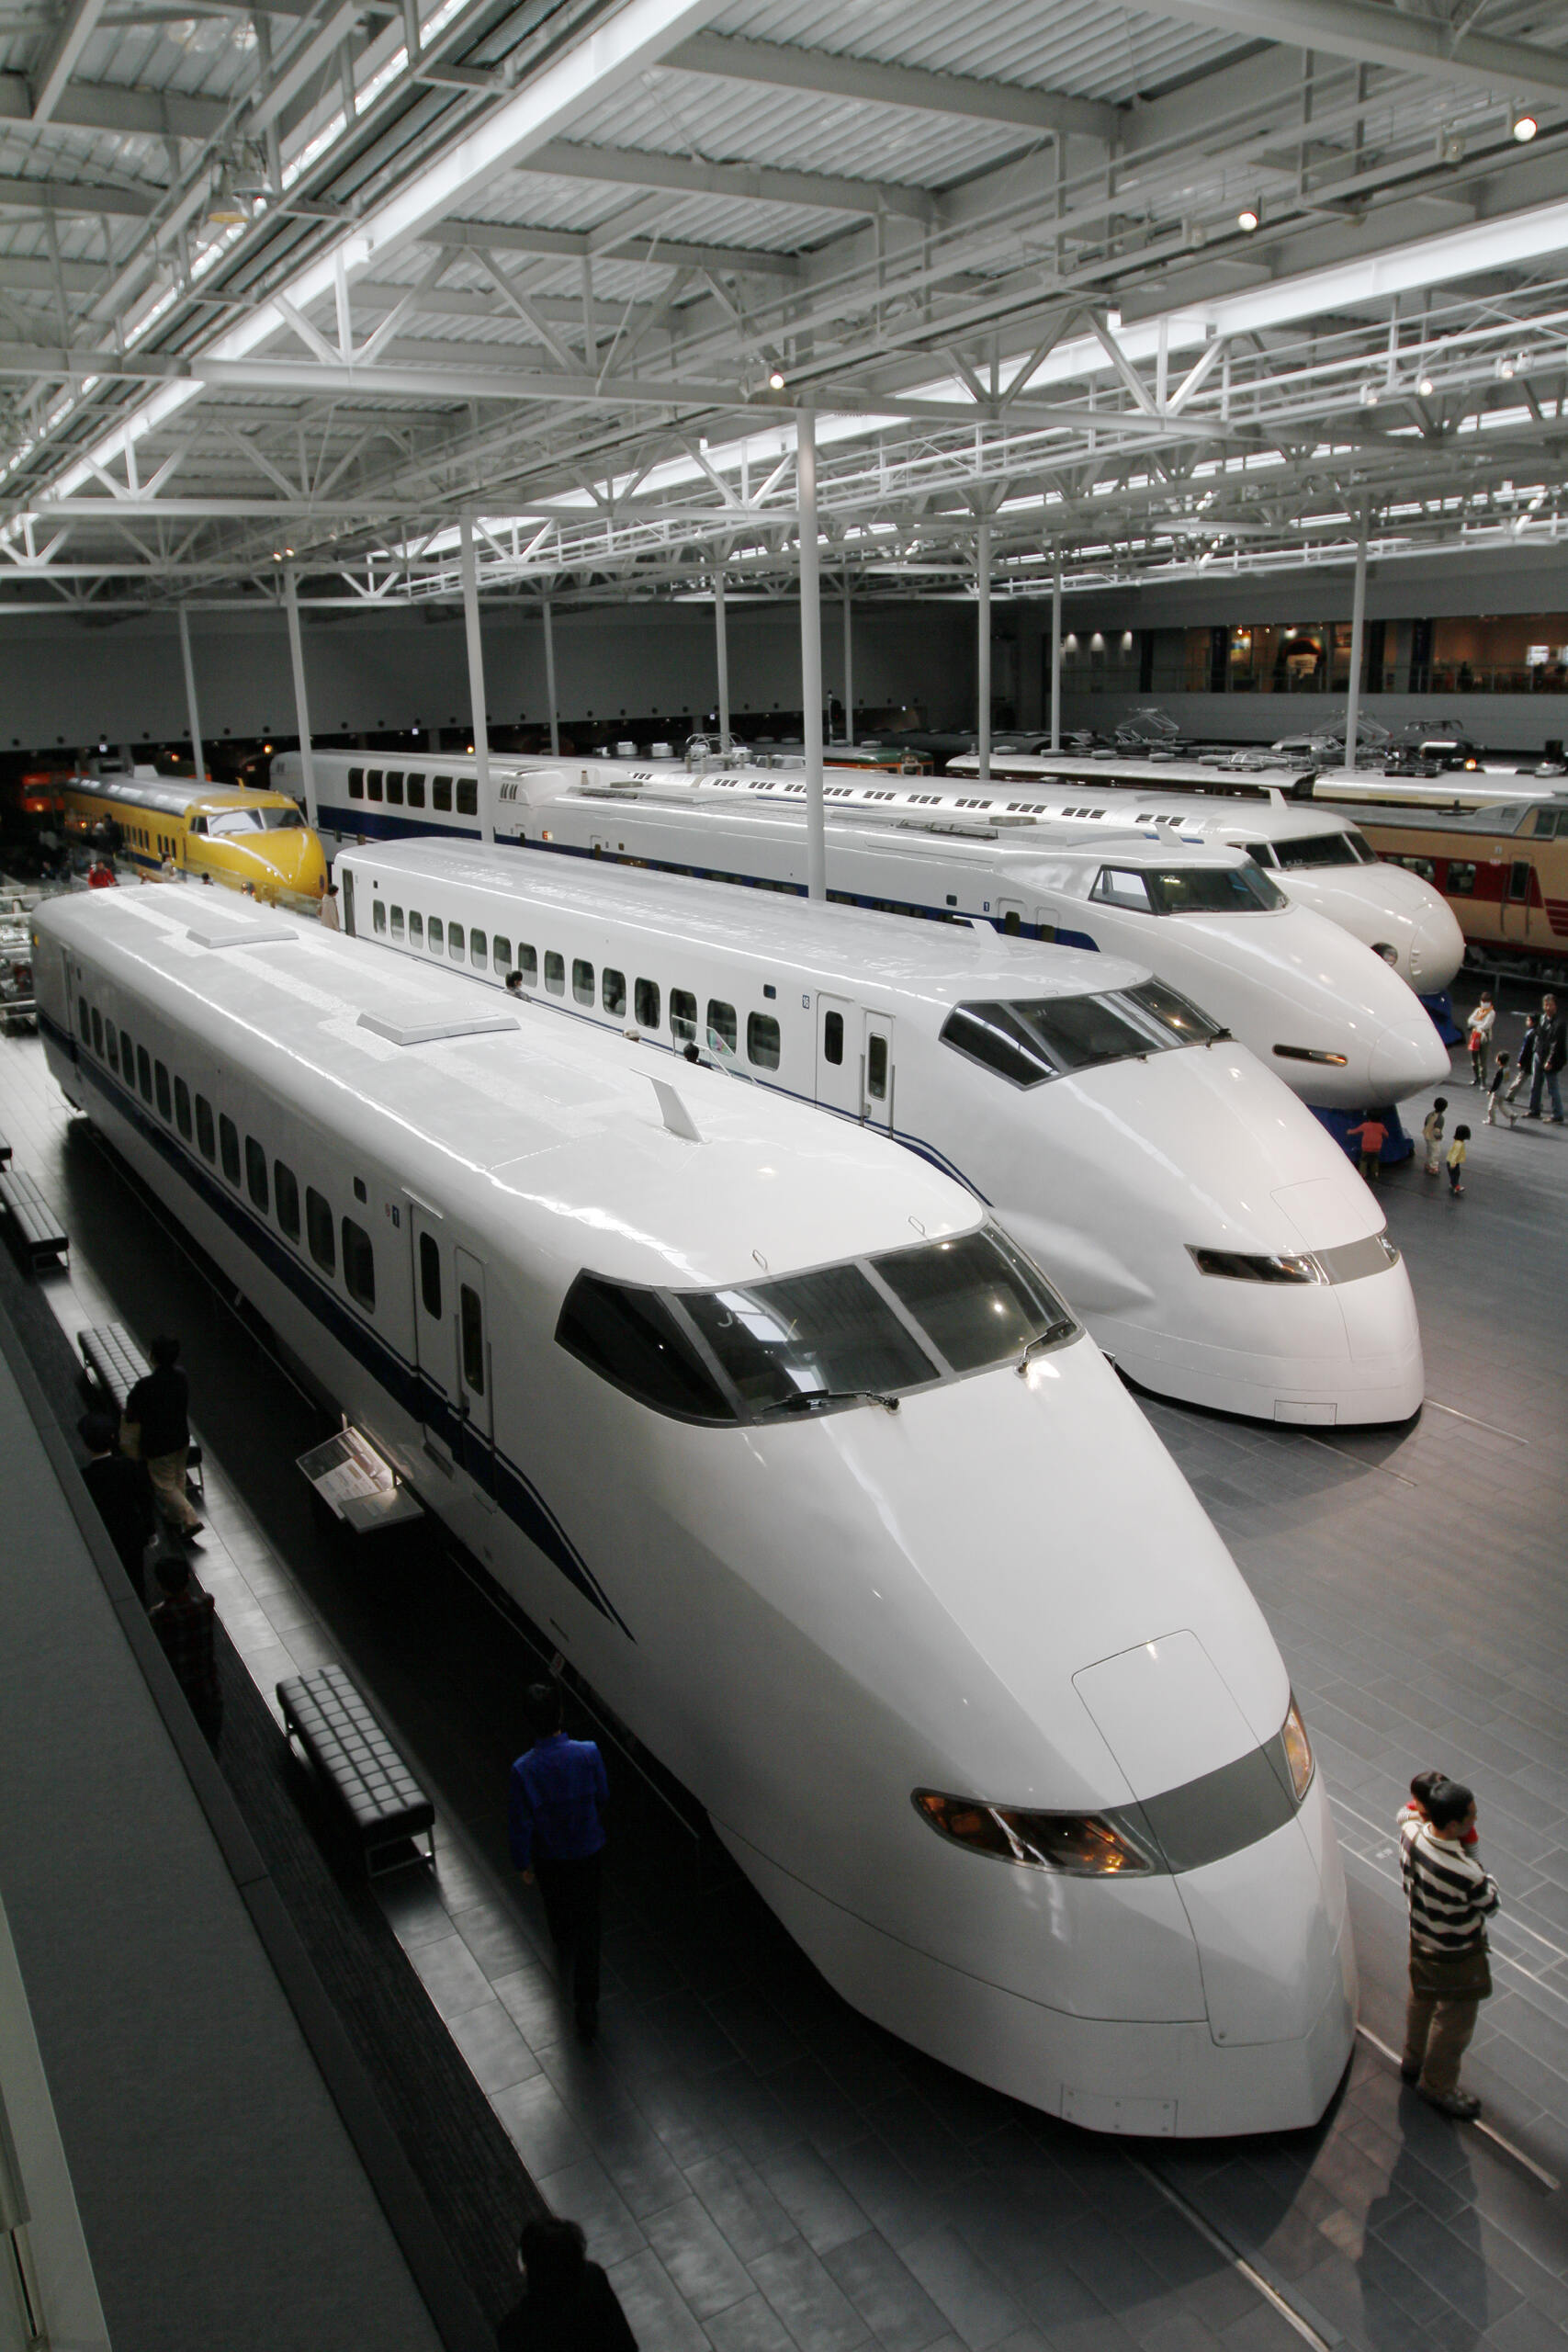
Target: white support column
811,654
1357,631
848,663
721,656
983,648
198,757
302,706
477,705
550,679
1056,656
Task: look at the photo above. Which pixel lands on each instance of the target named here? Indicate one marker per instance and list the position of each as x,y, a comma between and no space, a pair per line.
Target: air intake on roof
234,934
425,1032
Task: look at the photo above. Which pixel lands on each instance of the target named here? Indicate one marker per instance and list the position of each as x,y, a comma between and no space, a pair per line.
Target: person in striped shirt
1451,1899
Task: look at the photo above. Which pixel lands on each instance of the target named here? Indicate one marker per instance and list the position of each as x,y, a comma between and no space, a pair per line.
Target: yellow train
236,835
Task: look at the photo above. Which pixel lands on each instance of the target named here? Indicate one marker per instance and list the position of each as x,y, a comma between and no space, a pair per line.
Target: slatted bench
115,1363
384,1803
36,1225
4,1151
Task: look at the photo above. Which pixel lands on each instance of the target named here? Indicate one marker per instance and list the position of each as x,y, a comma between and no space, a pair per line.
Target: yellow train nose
285,865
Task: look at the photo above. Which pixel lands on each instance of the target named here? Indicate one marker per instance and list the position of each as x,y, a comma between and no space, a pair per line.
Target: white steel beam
785,66
54,69
811,654
97,106
572,244
302,701
476,702
1377,35
745,183
73,195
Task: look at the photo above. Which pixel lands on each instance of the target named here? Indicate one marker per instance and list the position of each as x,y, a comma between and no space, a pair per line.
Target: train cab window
528,964
723,1026
555,972
478,950
144,1072
613,992
455,942
430,1274
161,1088
631,1339
1462,878
286,1194
762,1040
398,925
356,783
833,1038
645,1002
374,783
395,786
358,1265
1121,886
468,795
99,1033
975,1297
83,1021
255,1172
416,791
682,1017
229,1147
1546,823
500,955
378,917
206,1139
416,929
319,1230
182,1108
441,792
582,980
877,1068
437,937
472,1323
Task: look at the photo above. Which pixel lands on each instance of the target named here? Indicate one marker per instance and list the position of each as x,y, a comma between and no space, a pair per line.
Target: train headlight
1312,1054
1298,1750
1083,1845
1237,1266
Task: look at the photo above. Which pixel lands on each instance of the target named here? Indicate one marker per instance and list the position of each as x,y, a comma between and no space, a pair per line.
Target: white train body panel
808,1619
1329,1016
1110,1175
1386,907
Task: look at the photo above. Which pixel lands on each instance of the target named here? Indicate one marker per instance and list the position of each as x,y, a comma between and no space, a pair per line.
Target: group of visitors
1543,1051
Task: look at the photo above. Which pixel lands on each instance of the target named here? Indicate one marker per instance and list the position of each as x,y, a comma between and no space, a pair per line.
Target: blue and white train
1220,1246
800,1460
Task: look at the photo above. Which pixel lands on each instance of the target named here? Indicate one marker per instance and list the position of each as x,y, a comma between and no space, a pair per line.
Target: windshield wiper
1046,1338
803,1398
1218,1034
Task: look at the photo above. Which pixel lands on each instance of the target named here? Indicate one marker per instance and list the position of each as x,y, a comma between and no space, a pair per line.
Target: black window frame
756,1025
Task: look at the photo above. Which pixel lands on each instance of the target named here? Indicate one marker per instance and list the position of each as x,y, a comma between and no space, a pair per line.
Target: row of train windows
407,791
1455,876
607,987
218,1141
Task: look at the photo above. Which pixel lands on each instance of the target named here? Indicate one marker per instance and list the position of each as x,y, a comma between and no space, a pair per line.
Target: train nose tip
1437,951
1404,1060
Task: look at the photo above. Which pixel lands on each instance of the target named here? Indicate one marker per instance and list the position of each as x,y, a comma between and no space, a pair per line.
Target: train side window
430,1274
358,1265
1519,879
84,1020
397,924
395,786
762,1040
378,916
1462,878
1119,885
416,791
528,964
319,1230
229,1147
555,972
877,1068
646,1000
416,929
682,1017
373,783
613,992
455,941
286,1192
144,1072
471,1319
582,980
441,792
722,1024
255,1172
99,1033
161,1088
182,1108
478,950
128,1057
500,955
833,1038
206,1139
468,795
436,938
356,783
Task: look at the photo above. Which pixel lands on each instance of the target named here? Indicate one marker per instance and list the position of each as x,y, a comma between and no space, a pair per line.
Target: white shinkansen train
1218,1245
799,1459
1316,855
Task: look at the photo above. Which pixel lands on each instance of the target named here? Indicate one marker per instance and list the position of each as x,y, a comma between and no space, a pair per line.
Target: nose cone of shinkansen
285,865
1388,909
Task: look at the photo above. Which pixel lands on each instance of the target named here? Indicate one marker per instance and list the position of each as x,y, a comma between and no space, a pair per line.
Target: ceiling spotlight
1113,319
1369,396
226,209
775,379
1505,369
1424,385
1248,218
1524,128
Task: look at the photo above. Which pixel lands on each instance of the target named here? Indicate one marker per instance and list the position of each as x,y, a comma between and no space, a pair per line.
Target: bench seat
334,1725
38,1227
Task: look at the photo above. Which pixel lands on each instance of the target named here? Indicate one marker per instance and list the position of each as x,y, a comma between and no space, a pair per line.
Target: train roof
464,1099
172,796
1264,785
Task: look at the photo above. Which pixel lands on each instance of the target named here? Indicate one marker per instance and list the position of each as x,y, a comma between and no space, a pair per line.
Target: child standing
1432,1135
1456,1161
1482,1023
1526,1062
1495,1099
1373,1135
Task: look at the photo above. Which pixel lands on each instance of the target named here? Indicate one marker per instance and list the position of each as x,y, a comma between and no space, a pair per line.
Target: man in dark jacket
185,1621
570,2305
157,1410
123,1495
557,1833
1550,1054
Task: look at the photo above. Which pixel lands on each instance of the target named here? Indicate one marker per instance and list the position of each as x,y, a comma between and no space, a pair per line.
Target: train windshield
1323,849
861,1332
254,820
1212,889
1033,1039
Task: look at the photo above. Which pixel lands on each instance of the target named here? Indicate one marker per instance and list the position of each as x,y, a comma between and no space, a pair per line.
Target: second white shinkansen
1218,1245
803,1465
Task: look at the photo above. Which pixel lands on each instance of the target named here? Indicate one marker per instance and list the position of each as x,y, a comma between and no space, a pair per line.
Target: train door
878,1072
348,901
1009,912
476,1398
839,1054
434,1330
1517,900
